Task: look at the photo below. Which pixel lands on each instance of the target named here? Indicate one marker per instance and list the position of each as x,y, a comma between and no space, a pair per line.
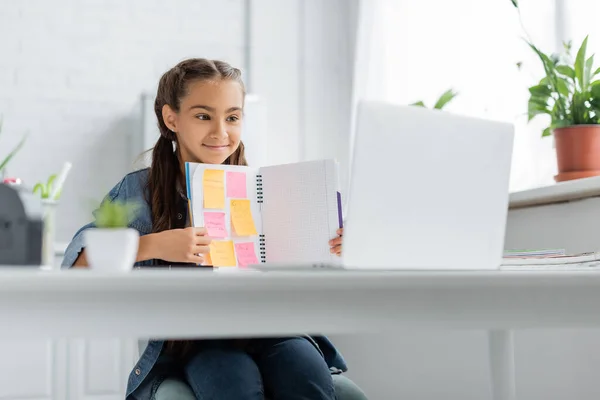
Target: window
419,49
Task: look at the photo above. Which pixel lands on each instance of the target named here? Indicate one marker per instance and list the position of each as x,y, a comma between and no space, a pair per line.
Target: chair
175,389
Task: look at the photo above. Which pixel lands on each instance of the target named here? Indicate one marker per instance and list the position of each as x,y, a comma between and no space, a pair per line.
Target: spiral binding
259,188
262,248
261,238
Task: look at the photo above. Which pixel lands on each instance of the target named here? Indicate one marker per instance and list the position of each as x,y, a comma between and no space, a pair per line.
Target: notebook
530,253
277,214
561,259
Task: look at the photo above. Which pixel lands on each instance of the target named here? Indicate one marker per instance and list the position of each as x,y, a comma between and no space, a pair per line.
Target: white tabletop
199,303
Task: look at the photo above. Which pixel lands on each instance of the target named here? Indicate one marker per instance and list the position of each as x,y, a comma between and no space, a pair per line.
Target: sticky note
207,259
236,184
246,254
241,218
213,182
214,222
222,254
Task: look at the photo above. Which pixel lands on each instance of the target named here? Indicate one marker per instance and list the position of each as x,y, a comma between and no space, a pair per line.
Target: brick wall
71,73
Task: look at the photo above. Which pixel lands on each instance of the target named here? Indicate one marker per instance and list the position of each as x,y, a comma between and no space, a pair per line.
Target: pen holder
49,219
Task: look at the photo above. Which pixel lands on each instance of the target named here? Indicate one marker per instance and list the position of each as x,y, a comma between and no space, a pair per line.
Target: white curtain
409,50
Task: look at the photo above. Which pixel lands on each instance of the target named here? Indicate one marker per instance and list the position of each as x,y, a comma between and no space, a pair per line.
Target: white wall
301,66
71,73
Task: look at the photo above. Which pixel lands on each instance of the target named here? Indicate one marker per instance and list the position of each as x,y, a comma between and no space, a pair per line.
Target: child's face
209,122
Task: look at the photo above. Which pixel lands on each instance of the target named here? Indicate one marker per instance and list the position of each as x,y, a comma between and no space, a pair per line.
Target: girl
199,106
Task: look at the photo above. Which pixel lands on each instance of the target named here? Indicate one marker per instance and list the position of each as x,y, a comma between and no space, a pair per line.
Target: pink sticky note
214,222
245,254
236,185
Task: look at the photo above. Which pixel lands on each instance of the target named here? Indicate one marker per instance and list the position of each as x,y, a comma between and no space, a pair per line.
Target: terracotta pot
577,150
569,176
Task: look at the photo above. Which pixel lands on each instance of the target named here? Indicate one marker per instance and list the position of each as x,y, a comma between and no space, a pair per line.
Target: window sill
558,193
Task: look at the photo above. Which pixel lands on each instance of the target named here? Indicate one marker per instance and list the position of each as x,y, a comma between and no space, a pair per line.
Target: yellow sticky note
207,260
213,182
222,254
241,218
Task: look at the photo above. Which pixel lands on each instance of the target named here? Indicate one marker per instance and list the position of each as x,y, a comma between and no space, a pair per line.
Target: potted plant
112,245
4,162
441,102
44,190
570,95
49,193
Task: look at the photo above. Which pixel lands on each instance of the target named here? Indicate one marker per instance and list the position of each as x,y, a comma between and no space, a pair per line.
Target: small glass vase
49,220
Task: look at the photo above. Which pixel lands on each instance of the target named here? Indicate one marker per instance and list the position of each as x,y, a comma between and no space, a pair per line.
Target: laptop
429,189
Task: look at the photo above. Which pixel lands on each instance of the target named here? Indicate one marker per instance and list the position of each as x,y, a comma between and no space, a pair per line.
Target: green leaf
547,132
568,45
563,87
12,153
566,70
514,3
51,179
418,104
550,70
545,81
116,214
540,90
596,72
39,187
587,73
444,99
579,63
537,106
538,103
579,109
560,124
595,90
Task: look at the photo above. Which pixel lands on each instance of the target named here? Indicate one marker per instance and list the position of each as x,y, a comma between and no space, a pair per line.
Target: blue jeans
281,369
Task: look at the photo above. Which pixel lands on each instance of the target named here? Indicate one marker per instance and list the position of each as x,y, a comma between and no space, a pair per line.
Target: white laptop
429,190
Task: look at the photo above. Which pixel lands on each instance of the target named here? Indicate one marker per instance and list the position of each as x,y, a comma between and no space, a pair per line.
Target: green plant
116,214
443,100
568,92
12,153
46,188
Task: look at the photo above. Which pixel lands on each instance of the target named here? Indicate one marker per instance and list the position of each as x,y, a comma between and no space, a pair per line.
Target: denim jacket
132,188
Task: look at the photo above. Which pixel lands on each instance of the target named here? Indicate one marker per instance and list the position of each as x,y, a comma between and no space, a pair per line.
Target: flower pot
577,151
111,249
569,176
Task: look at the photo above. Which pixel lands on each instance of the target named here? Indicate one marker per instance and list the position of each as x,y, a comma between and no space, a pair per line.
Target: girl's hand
336,244
186,245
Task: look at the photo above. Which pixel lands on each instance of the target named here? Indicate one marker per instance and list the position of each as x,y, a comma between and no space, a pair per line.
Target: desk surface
204,303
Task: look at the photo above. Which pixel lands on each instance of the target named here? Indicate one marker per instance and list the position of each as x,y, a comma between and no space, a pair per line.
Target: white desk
192,303
203,303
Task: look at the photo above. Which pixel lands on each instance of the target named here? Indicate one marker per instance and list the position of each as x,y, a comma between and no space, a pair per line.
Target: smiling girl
199,107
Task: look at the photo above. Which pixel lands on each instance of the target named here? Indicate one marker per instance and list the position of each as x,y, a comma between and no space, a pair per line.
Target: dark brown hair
165,170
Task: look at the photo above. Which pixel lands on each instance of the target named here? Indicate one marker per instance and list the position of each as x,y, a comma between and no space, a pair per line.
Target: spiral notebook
276,214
